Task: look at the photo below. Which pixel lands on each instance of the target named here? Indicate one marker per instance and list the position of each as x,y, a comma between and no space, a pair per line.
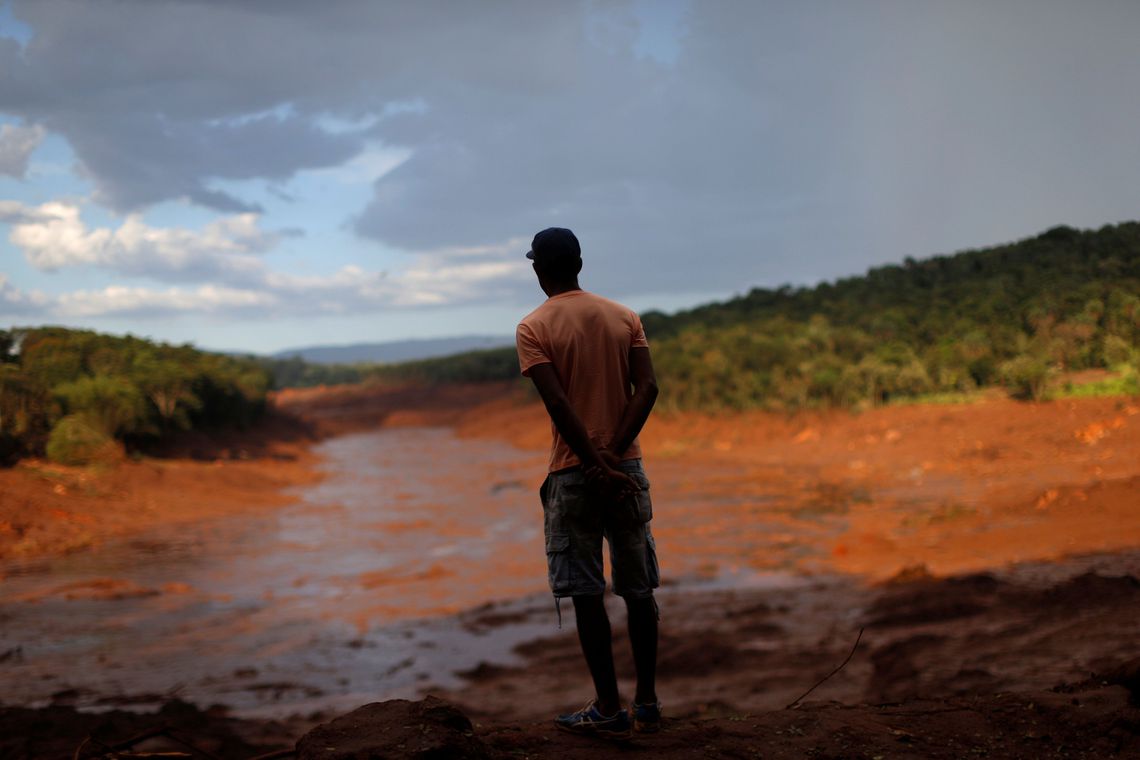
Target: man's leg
633,557
643,640
596,640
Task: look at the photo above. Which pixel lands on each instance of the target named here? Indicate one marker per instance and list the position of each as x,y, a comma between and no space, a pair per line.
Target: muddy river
419,555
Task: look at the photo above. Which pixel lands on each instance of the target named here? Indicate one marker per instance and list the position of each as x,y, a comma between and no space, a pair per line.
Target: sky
269,174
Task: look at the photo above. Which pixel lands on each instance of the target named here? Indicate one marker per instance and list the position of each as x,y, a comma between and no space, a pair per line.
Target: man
590,362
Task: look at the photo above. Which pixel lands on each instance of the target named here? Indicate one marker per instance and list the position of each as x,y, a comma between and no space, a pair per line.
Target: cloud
118,300
53,236
159,98
17,303
16,146
774,142
234,280
349,290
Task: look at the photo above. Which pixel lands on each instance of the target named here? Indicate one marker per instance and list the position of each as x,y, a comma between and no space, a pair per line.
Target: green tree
112,405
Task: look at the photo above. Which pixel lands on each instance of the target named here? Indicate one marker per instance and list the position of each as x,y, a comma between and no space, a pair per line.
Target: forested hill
1015,314
79,396
1057,272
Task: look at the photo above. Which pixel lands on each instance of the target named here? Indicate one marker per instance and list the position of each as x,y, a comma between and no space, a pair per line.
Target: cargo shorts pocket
653,570
558,564
644,502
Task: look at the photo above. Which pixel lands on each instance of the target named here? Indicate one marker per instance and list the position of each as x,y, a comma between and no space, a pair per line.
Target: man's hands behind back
610,482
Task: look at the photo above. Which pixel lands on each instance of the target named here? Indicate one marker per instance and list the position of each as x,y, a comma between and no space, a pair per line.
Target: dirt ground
1038,660
988,550
48,509
949,488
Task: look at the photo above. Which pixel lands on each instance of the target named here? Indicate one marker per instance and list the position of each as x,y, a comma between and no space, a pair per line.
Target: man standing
590,362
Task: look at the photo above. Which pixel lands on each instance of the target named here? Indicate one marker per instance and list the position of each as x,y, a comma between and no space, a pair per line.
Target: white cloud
232,278
53,236
118,300
16,146
445,277
15,302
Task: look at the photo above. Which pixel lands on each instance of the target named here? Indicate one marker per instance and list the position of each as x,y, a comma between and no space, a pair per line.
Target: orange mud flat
48,509
938,489
1001,541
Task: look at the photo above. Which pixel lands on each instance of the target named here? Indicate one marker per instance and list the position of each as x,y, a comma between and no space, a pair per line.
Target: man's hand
610,483
610,458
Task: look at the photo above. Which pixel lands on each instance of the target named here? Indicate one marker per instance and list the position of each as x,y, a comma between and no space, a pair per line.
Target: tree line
77,395
1013,315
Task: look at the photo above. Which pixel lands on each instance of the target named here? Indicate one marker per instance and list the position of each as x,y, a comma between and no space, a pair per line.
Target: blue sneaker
646,718
589,721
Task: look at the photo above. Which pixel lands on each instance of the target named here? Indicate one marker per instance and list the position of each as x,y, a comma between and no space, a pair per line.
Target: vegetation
295,372
77,395
1125,382
471,366
1015,315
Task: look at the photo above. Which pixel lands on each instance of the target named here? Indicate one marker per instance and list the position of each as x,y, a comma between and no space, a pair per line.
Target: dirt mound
930,601
1088,590
59,732
1126,674
1084,721
1089,723
427,729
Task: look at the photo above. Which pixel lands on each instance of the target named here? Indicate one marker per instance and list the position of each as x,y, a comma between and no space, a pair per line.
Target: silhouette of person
589,359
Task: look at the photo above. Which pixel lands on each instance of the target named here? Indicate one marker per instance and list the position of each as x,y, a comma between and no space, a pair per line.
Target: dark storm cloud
785,142
16,146
136,160
159,97
790,143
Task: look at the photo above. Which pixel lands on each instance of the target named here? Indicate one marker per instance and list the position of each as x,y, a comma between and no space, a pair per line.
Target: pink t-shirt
587,338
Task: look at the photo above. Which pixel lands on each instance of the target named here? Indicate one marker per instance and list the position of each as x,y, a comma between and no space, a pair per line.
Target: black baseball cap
554,244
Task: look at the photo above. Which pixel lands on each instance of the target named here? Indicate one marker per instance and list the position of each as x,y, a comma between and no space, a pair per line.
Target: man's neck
560,288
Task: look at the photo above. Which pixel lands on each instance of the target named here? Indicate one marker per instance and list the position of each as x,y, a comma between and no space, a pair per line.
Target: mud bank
988,550
50,510
1036,660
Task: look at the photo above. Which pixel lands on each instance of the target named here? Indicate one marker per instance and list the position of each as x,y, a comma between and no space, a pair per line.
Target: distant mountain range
395,351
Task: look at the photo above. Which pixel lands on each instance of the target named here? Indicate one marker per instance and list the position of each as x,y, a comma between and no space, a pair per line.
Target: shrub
1025,376
76,441
114,405
1117,350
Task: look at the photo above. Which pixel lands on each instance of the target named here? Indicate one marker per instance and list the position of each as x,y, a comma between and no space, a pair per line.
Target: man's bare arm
644,381
570,425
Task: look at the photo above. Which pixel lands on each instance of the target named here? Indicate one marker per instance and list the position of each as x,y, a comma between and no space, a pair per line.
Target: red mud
48,509
967,653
